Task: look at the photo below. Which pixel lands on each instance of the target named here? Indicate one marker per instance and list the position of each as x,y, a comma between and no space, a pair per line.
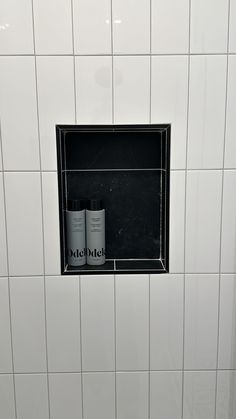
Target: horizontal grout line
121,54
105,170
78,274
115,371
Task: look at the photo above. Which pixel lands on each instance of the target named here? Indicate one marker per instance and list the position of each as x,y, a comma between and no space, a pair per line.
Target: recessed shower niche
128,168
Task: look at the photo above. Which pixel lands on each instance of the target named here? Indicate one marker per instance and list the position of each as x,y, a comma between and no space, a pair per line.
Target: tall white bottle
75,227
95,232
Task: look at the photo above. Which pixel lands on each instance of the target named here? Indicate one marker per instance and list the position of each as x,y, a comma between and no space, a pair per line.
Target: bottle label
96,253
77,253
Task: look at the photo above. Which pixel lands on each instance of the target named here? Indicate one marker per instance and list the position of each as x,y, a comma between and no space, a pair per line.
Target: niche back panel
128,167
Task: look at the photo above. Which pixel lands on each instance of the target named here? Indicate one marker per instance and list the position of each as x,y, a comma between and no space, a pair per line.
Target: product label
96,253
77,253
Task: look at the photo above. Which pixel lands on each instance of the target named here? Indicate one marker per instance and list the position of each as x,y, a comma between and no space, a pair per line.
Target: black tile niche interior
128,167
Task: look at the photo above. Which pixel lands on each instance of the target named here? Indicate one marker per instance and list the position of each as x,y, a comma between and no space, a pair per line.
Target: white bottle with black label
75,228
95,232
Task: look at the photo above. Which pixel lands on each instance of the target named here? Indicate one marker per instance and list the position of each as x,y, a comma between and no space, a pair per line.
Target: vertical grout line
8,271
115,346
149,346
112,68
81,355
42,210
74,69
222,202
185,202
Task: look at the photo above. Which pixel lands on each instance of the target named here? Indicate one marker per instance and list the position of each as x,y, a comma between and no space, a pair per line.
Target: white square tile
7,403
31,396
18,108
206,106
230,143
24,223
92,26
51,223
232,28
169,102
228,241
203,213
199,395
201,321
131,90
131,26
132,313
170,26
63,324
97,317
55,78
177,211
227,331
166,322
209,24
132,395
28,324
65,396
94,90
16,27
226,395
99,396
166,395
5,332
3,243
53,27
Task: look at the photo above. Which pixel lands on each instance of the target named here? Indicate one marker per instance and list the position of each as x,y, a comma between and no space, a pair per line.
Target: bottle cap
95,205
76,204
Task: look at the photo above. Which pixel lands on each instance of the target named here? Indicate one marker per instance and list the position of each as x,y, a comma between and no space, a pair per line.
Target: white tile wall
16,27
227,327
226,395
65,396
53,27
201,321
93,90
92,26
199,395
203,215
126,15
169,102
99,396
97,312
56,102
228,242
3,244
89,61
230,143
31,396
232,29
166,322
28,324
166,394
20,144
132,322
5,334
131,105
7,404
206,106
132,395
209,22
170,26
24,223
63,324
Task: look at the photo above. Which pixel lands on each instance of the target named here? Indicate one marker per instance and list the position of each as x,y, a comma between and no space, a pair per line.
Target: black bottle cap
95,204
76,204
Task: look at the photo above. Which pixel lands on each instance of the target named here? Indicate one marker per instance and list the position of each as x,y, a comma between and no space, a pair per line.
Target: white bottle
75,227
95,232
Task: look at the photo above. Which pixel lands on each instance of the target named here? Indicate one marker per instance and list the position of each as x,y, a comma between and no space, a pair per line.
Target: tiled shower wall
124,347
